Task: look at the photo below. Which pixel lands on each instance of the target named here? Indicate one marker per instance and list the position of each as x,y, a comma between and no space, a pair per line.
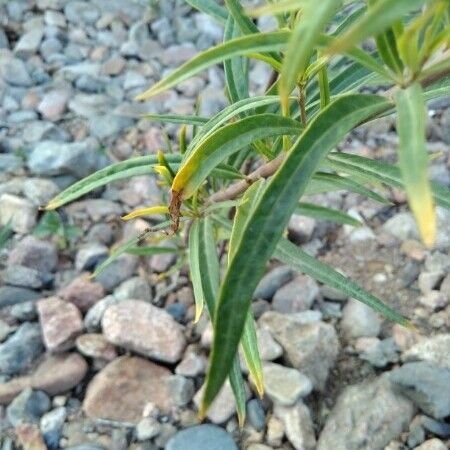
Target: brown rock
145,329
61,323
114,65
30,437
124,387
82,292
96,346
53,104
55,374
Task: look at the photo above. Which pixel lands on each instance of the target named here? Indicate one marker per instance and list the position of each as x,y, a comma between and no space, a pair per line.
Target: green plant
288,138
51,224
5,233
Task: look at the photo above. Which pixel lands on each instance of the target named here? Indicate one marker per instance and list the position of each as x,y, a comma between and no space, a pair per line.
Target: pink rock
61,323
55,374
96,346
124,387
53,104
145,329
82,292
30,437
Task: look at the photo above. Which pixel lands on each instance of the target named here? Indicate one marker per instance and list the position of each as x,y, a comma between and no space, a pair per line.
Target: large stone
14,72
284,385
359,320
56,374
19,212
202,437
366,416
29,42
34,253
13,295
61,323
124,387
51,158
427,385
297,295
145,329
28,407
23,276
20,349
273,281
435,349
311,347
53,104
432,444
96,346
298,425
82,292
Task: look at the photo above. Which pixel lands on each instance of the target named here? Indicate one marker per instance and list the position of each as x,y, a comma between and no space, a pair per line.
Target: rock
108,125
9,163
79,12
445,286
29,437
11,295
34,253
432,444
93,318
297,295
39,191
439,428
118,271
178,54
28,44
191,365
19,212
15,73
61,323
434,300
379,353
121,391
269,349
147,428
366,416
20,349
82,292
28,407
51,424
273,281
145,329
437,262
24,277
403,337
24,311
310,347
283,385
359,320
427,385
51,158
134,288
435,349
298,425
301,228
53,104
222,408
428,280
181,390
96,346
256,415
202,437
114,66
275,431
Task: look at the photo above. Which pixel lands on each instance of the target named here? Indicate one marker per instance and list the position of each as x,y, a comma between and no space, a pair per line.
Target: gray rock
89,256
269,349
256,415
311,347
51,424
79,12
147,428
359,320
108,125
366,416
135,288
428,280
439,428
35,254
118,271
434,300
28,44
298,425
21,349
297,295
273,281
283,385
12,295
93,318
379,353
435,349
427,385
202,437
86,447
24,311
15,72
432,444
55,158
181,389
28,407
23,277
19,212
39,190
9,163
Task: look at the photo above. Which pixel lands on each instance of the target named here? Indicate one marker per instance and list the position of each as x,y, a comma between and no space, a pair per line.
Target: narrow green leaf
270,217
149,251
323,213
194,268
279,7
245,45
376,20
373,170
5,234
413,159
295,257
305,36
211,8
226,141
177,118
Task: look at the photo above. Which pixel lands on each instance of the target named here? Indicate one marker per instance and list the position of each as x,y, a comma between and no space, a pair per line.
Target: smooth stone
366,416
432,444
28,407
427,385
34,253
439,428
202,437
89,256
434,349
359,320
22,276
82,292
269,349
12,295
19,212
145,329
135,288
39,190
28,44
51,424
273,281
121,390
118,271
297,295
21,349
256,415
15,73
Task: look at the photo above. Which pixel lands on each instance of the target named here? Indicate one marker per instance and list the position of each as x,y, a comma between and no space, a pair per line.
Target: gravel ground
116,362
